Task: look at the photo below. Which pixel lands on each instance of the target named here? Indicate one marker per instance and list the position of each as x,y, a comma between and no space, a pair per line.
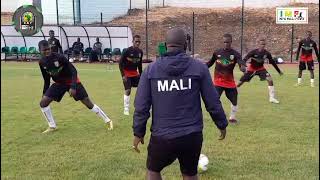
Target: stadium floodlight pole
100,18
241,38
130,5
162,3
74,17
4,39
292,34
5,45
25,46
79,2
147,29
37,3
57,7
193,38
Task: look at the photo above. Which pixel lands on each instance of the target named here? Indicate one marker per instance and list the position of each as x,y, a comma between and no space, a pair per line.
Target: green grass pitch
272,141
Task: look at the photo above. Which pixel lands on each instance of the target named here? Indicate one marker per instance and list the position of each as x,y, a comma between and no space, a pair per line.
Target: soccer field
272,141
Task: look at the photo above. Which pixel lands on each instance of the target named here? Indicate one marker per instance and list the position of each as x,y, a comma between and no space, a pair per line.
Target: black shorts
56,92
263,74
131,82
302,65
163,152
231,93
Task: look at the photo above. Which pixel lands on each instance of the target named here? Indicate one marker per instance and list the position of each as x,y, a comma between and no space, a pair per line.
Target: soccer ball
203,163
71,60
280,60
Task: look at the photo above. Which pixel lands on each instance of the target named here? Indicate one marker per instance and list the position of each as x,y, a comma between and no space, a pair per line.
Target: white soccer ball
203,163
71,60
280,60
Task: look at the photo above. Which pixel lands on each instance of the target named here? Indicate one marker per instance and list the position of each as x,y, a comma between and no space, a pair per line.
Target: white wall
12,5
49,11
90,9
9,5
65,11
307,1
24,2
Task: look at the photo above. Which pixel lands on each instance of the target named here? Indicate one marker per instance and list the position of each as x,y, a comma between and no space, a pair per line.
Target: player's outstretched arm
316,50
140,65
248,56
298,51
142,104
46,78
121,65
212,103
274,64
212,60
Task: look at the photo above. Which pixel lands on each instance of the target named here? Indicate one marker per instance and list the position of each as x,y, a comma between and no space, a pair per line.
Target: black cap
43,44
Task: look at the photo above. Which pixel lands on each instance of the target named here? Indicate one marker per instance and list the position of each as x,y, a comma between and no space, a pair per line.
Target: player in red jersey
57,67
130,62
257,57
306,46
226,58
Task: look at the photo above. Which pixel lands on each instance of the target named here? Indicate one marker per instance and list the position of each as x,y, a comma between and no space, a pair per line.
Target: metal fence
206,27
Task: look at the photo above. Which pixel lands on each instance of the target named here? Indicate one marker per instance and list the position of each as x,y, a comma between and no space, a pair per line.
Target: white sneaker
312,84
49,130
273,100
81,59
126,112
109,125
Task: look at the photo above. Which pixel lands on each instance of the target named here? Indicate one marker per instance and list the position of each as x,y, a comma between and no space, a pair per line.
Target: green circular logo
27,20
28,17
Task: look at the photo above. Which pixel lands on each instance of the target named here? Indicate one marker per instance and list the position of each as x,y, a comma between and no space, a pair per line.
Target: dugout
17,46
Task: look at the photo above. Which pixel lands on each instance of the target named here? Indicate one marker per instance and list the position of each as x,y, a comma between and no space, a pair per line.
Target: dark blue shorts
163,152
56,91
